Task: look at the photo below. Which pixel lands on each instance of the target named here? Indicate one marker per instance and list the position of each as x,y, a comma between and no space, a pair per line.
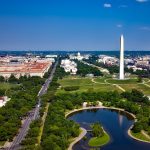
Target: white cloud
106,5
145,28
119,25
142,1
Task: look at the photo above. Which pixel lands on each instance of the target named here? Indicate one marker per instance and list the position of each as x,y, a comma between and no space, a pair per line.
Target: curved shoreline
77,139
129,133
101,107
98,107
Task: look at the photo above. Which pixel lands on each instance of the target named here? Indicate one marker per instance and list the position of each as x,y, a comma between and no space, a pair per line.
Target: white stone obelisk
121,74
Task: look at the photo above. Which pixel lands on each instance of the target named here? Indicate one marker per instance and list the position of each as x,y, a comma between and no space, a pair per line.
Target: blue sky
74,24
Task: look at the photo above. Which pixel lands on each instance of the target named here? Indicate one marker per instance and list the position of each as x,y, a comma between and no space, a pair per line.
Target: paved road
32,115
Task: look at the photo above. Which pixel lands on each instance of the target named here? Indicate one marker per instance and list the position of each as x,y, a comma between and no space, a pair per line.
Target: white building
51,56
107,60
3,100
69,66
78,56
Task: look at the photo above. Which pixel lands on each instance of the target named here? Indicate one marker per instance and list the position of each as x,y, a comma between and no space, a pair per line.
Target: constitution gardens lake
116,123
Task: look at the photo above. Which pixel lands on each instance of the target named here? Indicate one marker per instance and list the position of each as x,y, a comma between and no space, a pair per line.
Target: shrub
71,88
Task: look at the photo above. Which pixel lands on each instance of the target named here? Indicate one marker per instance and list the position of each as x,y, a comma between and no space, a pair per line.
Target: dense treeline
141,109
23,99
84,69
53,137
57,129
32,139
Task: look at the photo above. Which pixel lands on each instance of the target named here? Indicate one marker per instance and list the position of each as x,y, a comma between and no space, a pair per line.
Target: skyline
74,25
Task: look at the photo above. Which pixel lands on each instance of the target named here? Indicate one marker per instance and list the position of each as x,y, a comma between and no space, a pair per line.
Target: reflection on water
116,123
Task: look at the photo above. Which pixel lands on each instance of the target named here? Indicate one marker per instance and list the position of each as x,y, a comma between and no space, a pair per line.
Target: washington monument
121,73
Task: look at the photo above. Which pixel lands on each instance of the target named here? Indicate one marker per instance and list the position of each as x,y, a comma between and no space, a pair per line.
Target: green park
99,84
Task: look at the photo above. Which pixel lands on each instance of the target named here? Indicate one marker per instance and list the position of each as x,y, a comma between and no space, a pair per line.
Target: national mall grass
85,84
100,84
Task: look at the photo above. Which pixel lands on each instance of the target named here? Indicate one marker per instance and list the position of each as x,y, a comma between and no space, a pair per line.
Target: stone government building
28,67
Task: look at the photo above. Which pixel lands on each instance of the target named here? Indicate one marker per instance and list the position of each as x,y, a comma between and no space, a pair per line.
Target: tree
97,130
49,142
140,79
2,92
2,79
13,79
137,127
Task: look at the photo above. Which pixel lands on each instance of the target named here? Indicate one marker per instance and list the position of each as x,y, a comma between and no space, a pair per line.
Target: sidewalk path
83,133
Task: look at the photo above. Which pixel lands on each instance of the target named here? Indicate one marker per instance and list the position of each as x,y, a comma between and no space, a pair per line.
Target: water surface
115,123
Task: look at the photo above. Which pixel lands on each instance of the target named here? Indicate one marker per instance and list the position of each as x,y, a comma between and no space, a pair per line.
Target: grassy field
99,141
102,84
6,86
141,87
127,81
75,81
100,80
85,84
140,136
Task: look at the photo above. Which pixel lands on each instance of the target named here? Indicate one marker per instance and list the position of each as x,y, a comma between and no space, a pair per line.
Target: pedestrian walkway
82,134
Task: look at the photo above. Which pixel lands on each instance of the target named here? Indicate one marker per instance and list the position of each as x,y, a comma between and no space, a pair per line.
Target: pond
116,124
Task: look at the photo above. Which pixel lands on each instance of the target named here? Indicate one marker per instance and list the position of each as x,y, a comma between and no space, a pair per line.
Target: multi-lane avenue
32,115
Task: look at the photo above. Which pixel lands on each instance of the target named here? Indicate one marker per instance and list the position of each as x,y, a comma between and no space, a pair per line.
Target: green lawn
99,141
127,81
140,136
6,86
100,80
75,81
85,84
99,85
140,87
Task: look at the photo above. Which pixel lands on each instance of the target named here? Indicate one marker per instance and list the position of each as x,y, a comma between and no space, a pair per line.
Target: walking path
92,80
118,86
145,134
82,134
146,85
